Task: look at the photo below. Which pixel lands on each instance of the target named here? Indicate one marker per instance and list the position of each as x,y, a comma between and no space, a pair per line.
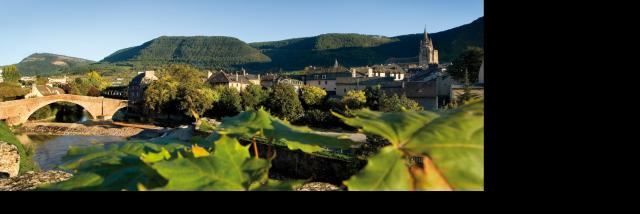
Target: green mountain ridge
202,51
220,52
47,64
360,50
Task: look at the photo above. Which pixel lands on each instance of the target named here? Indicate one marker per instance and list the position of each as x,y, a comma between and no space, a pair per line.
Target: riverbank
31,180
65,129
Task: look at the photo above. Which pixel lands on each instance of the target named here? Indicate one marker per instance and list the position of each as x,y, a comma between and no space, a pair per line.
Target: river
49,149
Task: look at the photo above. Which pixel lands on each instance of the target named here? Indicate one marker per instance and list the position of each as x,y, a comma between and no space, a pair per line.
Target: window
319,82
316,76
325,82
324,77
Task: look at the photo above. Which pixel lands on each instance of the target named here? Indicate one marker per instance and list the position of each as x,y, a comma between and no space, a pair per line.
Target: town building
1,78
270,80
57,81
325,78
29,78
237,81
43,90
135,91
386,76
428,54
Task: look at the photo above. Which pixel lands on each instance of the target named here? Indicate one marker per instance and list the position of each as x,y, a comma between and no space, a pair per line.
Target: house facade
270,80
43,90
136,89
236,81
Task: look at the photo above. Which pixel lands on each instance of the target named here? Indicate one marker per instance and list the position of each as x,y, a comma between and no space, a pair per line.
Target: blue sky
93,29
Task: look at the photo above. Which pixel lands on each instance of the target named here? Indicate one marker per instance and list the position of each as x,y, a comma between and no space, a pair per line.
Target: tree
253,96
312,95
93,92
195,101
373,95
470,60
160,93
395,103
82,85
229,103
95,79
467,95
184,74
284,103
11,74
354,99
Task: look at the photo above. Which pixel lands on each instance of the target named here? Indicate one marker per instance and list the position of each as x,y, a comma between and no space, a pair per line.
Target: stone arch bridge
17,112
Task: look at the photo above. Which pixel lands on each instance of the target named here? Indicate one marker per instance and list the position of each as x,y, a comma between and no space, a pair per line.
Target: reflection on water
49,150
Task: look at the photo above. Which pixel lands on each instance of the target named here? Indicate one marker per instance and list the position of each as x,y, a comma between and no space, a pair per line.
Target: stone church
428,54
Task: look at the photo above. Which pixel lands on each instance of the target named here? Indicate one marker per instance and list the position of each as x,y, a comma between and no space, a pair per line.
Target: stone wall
9,160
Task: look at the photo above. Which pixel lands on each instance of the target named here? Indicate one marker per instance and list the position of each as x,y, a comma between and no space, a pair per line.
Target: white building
1,78
53,81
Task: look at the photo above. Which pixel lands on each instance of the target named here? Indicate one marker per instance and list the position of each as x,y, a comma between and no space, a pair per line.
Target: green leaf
276,185
153,157
454,140
397,127
260,123
82,181
385,171
118,166
455,143
229,168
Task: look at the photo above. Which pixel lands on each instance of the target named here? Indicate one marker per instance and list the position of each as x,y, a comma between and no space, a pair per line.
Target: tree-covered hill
294,54
360,50
201,51
46,64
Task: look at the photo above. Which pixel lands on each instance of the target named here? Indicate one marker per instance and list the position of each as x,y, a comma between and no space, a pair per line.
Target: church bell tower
428,54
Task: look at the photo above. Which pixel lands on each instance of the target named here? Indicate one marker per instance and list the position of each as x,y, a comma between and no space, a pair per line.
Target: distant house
43,90
1,78
271,80
237,81
28,78
137,86
324,78
57,81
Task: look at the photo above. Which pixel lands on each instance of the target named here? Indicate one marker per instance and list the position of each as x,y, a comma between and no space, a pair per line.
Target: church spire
426,36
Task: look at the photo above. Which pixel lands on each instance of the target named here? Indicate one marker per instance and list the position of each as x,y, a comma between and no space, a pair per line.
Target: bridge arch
100,108
43,104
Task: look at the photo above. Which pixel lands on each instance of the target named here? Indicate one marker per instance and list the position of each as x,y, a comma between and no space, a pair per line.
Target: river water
49,149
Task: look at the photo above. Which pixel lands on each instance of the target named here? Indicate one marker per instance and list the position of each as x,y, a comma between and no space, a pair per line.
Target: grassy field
26,160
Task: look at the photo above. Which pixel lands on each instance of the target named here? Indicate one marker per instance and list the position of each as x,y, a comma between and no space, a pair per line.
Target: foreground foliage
451,145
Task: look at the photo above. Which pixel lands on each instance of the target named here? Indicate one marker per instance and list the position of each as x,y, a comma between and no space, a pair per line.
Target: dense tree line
89,85
181,90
